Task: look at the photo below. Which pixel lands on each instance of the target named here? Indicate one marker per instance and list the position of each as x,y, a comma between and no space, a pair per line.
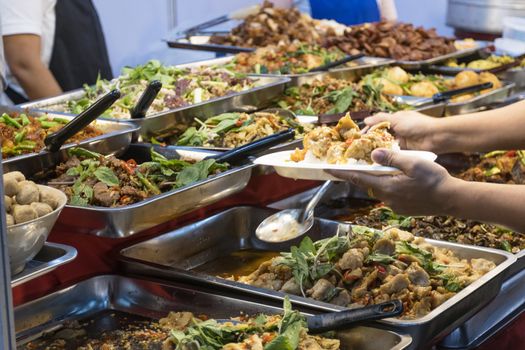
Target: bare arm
426,188
500,128
22,53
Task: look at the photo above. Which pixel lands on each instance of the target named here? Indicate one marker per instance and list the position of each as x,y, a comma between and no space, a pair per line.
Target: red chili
239,122
127,167
132,163
511,154
381,269
348,277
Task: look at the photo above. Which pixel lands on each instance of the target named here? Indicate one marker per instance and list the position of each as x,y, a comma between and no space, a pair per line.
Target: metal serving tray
202,43
267,89
51,256
153,300
176,255
478,102
502,310
366,65
117,137
130,219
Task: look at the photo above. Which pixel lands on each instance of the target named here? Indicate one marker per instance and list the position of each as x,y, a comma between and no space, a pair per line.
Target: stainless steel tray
234,230
517,76
501,311
128,220
366,65
153,300
482,100
268,88
202,43
51,256
117,138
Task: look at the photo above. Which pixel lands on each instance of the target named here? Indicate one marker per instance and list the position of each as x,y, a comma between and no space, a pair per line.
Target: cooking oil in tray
238,263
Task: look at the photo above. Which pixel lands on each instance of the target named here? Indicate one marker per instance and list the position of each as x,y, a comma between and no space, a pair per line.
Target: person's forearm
493,203
498,129
37,81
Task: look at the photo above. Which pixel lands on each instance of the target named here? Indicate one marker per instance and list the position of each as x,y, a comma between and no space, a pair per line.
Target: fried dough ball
11,187
10,221
24,213
8,204
423,89
489,77
390,88
466,78
28,193
397,74
41,208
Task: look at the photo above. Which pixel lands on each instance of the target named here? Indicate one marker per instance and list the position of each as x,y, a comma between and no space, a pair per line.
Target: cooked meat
321,290
419,276
384,246
351,260
395,284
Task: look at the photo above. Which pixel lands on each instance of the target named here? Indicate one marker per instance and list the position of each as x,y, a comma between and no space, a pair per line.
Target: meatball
24,213
41,208
49,198
423,89
11,187
397,74
10,221
28,193
15,175
466,78
8,203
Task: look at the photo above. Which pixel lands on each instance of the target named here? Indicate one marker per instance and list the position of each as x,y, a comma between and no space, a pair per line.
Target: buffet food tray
127,220
116,140
366,65
148,299
201,245
266,90
202,43
51,256
502,310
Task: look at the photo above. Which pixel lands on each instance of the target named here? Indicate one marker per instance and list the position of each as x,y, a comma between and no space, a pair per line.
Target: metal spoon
289,224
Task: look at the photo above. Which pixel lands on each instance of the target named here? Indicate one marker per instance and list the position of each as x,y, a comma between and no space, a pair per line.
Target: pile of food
180,87
22,134
369,267
445,228
286,59
91,179
396,81
330,96
498,167
401,41
277,26
344,143
490,62
230,130
186,331
24,200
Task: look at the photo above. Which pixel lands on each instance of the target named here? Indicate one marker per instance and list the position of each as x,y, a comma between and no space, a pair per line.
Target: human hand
412,129
423,188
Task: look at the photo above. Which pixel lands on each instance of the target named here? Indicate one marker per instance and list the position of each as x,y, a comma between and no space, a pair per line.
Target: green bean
25,119
10,121
20,136
47,124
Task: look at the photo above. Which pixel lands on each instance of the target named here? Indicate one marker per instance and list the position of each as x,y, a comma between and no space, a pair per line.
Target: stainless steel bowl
26,239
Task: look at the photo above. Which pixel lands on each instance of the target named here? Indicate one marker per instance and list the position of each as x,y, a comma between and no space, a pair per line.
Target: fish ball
24,213
41,208
8,202
15,175
11,187
10,221
28,193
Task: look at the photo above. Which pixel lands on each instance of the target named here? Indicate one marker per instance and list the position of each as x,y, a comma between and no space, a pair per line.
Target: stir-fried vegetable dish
499,167
396,81
21,133
91,179
286,59
344,143
371,266
231,130
330,96
180,87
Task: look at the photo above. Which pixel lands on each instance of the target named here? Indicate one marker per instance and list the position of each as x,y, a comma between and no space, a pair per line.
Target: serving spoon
289,224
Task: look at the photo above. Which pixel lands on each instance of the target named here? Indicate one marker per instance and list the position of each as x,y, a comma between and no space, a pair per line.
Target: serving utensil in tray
266,90
225,244
116,139
116,301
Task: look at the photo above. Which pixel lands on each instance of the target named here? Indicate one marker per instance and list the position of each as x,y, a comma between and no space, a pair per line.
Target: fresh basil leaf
107,176
224,116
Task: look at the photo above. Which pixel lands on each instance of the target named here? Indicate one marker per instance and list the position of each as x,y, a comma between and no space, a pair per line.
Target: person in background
349,12
2,62
426,188
51,46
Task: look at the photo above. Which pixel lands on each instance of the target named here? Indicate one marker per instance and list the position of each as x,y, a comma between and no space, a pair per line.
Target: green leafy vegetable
107,176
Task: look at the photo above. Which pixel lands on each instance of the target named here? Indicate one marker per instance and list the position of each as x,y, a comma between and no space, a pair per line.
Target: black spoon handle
444,96
343,319
146,99
254,147
333,64
54,141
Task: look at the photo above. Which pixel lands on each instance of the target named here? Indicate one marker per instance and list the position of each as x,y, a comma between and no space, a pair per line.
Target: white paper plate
316,171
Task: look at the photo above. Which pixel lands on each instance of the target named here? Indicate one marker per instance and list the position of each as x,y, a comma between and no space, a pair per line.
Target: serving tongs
54,141
442,96
334,321
235,15
328,66
146,99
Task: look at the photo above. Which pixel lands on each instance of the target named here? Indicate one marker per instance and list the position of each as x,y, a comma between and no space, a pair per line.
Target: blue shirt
346,11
